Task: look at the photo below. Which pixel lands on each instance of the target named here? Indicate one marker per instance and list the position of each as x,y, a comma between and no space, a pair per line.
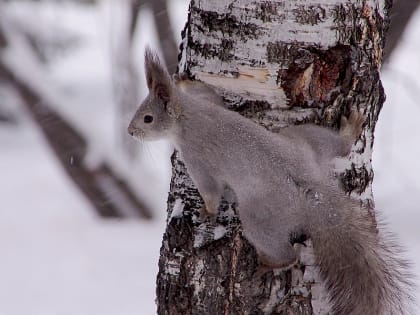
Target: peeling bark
277,63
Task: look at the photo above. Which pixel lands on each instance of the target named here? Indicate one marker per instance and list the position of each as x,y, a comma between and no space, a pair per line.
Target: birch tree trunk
278,63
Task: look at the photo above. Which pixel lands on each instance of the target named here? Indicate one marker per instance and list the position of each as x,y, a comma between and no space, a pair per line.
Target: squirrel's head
157,114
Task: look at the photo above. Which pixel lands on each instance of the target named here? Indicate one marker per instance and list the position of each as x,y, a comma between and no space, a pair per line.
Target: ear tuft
162,93
158,79
151,61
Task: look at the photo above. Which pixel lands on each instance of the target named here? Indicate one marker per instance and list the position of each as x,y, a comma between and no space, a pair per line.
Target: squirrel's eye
148,119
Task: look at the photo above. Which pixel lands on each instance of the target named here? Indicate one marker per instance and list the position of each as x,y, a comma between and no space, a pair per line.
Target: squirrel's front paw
352,127
205,214
211,206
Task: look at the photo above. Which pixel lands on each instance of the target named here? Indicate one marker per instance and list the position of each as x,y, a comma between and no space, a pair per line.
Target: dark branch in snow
166,34
166,38
125,76
401,14
107,193
3,41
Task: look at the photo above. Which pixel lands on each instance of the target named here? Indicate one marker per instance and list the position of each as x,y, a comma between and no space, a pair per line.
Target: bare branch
3,41
166,34
107,193
401,14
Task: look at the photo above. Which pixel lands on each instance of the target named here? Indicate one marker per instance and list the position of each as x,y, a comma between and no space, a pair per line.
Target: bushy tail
361,267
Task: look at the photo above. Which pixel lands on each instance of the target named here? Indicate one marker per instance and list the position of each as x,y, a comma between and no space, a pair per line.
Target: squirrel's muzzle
132,130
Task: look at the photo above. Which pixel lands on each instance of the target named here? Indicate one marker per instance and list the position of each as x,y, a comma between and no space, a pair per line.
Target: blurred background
82,208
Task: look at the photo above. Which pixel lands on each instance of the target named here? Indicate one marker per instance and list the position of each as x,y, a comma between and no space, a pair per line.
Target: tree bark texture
277,63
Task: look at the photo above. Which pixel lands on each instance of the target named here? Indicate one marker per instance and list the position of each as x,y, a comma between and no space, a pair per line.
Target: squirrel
283,187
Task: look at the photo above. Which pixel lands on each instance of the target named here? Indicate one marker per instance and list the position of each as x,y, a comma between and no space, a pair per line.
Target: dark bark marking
282,53
309,14
222,51
345,17
278,52
226,23
267,11
356,179
251,109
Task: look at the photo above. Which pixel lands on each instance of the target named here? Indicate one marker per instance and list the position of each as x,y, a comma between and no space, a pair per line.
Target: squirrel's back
249,150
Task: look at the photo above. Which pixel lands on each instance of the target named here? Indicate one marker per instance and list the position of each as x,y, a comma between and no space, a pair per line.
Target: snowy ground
57,257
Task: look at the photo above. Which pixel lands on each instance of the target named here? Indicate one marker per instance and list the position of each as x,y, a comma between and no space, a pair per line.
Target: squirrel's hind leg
351,128
284,258
274,248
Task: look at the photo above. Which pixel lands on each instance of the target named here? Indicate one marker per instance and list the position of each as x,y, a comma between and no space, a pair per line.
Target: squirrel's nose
131,130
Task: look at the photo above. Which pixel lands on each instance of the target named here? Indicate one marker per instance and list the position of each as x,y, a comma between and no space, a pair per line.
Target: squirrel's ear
158,79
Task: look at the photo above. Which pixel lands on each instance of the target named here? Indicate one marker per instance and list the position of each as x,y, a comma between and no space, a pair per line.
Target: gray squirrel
284,189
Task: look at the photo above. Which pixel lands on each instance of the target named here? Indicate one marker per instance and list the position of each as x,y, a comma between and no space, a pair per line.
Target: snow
396,186
57,257
178,208
219,232
82,93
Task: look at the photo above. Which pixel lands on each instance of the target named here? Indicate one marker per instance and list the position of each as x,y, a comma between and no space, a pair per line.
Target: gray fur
197,89
282,190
